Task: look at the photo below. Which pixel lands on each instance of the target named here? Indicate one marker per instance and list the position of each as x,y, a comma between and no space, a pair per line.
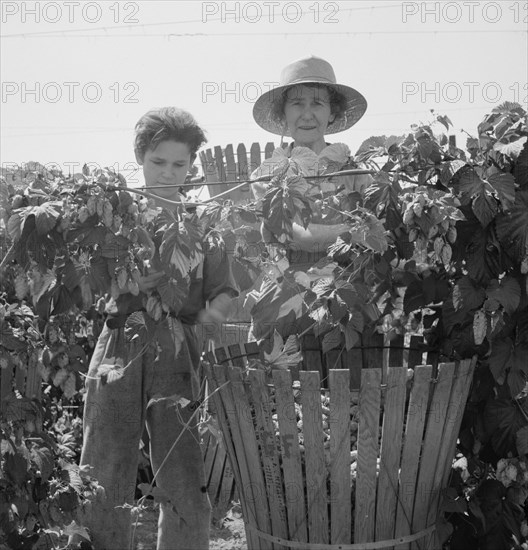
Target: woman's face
307,113
167,164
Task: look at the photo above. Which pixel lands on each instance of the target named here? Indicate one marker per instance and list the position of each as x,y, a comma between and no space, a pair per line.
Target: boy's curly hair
167,124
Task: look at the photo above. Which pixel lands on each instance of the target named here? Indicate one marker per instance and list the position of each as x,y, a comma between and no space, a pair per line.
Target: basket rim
340,546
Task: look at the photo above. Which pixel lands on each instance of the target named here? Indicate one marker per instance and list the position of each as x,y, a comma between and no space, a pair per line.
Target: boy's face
167,164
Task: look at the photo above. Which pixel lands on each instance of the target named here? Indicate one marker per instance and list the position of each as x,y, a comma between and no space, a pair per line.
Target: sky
76,76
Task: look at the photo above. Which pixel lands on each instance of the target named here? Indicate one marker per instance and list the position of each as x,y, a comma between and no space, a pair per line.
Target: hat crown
311,69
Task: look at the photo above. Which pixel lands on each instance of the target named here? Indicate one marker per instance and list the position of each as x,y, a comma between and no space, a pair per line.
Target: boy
166,143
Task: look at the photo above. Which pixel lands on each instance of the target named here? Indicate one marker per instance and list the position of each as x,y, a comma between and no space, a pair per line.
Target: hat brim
356,105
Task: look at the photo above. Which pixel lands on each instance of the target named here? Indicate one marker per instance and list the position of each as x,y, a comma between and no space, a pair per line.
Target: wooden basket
296,499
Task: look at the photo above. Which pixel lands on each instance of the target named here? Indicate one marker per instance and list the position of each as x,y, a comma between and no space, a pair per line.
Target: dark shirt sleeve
217,275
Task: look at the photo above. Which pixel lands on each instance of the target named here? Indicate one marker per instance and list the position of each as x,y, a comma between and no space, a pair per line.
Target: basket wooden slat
352,360
315,459
217,470
454,413
339,421
269,453
225,409
433,435
209,450
465,380
391,446
414,429
221,355
227,486
291,456
247,444
368,433
237,354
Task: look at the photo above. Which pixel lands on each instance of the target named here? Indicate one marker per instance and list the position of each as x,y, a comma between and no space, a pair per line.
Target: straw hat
312,70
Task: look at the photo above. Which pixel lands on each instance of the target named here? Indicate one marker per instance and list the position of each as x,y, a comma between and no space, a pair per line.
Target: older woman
307,105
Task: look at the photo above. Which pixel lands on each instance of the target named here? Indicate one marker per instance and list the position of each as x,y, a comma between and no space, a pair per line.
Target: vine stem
7,258
183,203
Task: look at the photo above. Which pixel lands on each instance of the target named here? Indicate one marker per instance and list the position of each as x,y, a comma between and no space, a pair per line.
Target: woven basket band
358,546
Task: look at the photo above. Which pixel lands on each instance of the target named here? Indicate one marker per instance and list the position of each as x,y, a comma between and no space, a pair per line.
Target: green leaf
174,291
507,292
502,421
483,260
337,306
414,297
125,200
500,358
331,340
473,189
372,143
382,198
74,529
115,247
444,119
450,169
520,170
466,296
140,326
212,214
16,467
9,340
504,186
181,247
42,457
521,440
352,336
61,300
512,227
284,355
284,204
516,381
502,517
485,208
14,225
46,216
70,475
111,370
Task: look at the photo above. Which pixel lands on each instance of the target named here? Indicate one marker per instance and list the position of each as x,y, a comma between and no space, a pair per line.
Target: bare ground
227,533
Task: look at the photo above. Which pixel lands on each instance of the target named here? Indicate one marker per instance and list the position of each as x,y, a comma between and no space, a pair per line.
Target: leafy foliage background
437,244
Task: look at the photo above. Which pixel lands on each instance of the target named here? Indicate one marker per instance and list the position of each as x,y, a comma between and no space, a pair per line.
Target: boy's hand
214,316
